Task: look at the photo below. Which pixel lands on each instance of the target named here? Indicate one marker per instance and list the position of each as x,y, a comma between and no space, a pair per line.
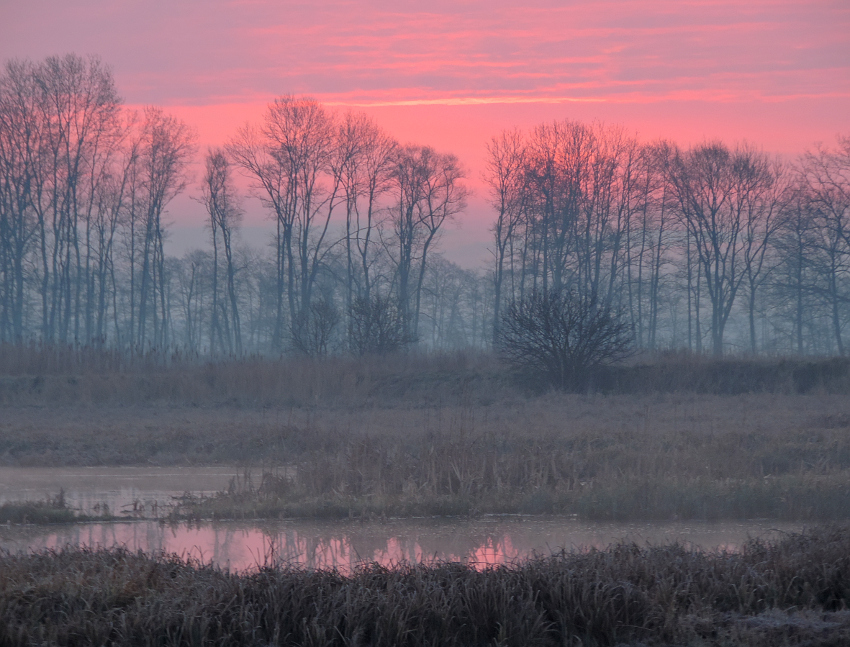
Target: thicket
792,591
62,375
560,339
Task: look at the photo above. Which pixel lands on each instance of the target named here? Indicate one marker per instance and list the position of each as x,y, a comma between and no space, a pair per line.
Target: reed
448,434
49,510
56,375
794,591
792,498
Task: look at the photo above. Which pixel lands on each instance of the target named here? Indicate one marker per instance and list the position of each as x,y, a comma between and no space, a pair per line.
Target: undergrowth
793,591
789,498
47,511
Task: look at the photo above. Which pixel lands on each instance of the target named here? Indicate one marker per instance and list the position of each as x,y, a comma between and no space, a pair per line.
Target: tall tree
825,174
167,147
290,160
221,200
717,192
506,176
428,191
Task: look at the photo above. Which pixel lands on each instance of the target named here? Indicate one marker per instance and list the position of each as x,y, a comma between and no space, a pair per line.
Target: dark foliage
376,326
559,338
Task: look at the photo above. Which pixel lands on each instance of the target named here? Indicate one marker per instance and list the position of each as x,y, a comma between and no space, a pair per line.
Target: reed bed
793,591
49,510
673,436
789,499
599,457
55,375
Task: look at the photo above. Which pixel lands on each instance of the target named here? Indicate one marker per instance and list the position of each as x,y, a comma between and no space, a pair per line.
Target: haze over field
326,322
774,73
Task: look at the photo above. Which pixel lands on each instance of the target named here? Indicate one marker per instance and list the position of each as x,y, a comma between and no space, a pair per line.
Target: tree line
710,247
680,242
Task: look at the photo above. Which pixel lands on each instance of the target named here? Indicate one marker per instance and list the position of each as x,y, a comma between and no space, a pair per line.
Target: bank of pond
791,589
201,555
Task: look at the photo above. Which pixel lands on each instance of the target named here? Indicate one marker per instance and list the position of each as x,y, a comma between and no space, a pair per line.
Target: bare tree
718,191
167,146
114,193
221,200
825,175
290,158
506,175
647,241
560,338
313,332
21,173
376,326
364,161
428,191
765,191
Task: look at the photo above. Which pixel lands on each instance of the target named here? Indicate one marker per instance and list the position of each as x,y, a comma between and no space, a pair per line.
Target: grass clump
788,498
50,510
793,591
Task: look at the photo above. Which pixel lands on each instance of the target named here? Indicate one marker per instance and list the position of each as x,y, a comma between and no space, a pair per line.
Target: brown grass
794,591
450,434
49,376
603,457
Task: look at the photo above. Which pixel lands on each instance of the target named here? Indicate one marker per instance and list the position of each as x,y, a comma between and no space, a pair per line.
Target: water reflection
343,545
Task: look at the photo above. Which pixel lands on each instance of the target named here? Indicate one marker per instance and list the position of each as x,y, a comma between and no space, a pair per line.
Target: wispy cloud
457,52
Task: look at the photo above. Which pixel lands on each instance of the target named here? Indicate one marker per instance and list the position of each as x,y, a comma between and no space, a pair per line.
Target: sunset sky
452,74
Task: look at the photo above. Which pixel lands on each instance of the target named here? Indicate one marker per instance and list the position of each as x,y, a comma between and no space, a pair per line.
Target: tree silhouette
559,338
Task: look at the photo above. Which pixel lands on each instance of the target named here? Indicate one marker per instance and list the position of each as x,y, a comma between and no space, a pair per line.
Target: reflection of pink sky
242,549
343,546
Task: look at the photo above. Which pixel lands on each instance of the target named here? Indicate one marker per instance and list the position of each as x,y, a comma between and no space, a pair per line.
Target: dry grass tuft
791,592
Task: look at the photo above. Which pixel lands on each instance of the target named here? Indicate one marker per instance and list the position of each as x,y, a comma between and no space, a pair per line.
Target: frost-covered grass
793,591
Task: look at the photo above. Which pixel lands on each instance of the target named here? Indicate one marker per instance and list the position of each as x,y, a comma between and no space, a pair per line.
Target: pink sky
452,74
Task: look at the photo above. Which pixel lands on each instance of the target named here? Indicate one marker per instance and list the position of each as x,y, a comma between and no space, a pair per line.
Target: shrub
376,326
559,338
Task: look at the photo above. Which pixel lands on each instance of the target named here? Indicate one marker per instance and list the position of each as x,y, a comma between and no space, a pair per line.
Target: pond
342,545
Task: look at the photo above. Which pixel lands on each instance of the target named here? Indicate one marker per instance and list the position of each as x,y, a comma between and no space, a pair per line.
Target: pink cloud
775,72
207,52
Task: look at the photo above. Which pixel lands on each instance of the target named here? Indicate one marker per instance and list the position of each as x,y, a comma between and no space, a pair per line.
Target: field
664,438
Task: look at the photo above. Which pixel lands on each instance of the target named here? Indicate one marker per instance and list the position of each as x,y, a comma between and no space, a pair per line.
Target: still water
333,544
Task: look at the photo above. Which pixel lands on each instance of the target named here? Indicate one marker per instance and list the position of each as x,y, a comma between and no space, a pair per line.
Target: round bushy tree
559,338
376,326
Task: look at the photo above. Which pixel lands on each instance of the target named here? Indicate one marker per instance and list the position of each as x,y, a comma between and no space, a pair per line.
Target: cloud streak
205,52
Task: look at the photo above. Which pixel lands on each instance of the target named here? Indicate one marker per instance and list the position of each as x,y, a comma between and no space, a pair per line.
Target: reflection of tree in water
344,545
345,549
308,545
